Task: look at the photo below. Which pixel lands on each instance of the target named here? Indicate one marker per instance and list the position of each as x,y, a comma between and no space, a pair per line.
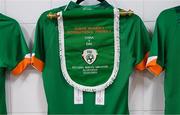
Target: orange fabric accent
142,65
37,63
21,66
154,67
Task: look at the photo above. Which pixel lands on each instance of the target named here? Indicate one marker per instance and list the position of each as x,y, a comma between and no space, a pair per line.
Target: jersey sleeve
17,55
155,63
141,45
38,50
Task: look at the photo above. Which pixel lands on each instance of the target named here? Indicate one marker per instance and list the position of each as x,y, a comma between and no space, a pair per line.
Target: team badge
89,55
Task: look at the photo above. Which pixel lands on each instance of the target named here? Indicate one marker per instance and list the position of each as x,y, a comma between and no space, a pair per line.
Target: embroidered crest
89,55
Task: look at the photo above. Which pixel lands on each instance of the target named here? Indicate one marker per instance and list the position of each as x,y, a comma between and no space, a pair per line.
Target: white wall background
26,95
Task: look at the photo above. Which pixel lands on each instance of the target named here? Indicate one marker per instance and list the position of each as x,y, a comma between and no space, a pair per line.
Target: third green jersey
165,56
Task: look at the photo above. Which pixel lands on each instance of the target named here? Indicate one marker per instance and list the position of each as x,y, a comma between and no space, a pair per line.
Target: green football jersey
14,53
89,51
164,56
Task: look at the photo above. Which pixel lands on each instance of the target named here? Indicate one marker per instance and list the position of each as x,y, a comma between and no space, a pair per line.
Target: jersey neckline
73,5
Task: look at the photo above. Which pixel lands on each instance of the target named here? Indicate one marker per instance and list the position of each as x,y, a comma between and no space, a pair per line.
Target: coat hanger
122,13
79,1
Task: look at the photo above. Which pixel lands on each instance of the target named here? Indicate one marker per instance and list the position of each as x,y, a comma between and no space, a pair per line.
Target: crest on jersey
90,55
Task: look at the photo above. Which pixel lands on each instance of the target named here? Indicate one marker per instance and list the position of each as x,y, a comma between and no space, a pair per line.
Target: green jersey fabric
14,53
134,42
164,55
2,92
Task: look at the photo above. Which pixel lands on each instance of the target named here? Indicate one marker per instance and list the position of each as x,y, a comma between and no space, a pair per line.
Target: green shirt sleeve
43,31
155,63
14,51
140,44
38,55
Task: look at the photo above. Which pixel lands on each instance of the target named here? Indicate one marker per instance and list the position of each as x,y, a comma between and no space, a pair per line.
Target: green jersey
164,56
14,53
86,57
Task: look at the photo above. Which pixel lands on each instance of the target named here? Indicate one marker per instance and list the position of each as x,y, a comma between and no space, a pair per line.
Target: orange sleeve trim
142,65
155,68
21,66
37,63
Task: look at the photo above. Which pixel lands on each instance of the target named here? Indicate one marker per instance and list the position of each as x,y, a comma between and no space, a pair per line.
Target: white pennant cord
100,97
78,96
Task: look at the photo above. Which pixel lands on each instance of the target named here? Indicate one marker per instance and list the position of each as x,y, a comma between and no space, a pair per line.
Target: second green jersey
14,54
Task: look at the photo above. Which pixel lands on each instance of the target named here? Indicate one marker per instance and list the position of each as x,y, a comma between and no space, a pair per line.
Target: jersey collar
73,5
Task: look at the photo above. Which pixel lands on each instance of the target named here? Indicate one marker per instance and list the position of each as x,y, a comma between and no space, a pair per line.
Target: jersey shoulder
168,12
130,20
167,17
5,20
44,17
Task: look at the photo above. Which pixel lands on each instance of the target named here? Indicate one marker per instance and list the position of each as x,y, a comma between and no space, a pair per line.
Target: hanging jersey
164,55
87,56
14,53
